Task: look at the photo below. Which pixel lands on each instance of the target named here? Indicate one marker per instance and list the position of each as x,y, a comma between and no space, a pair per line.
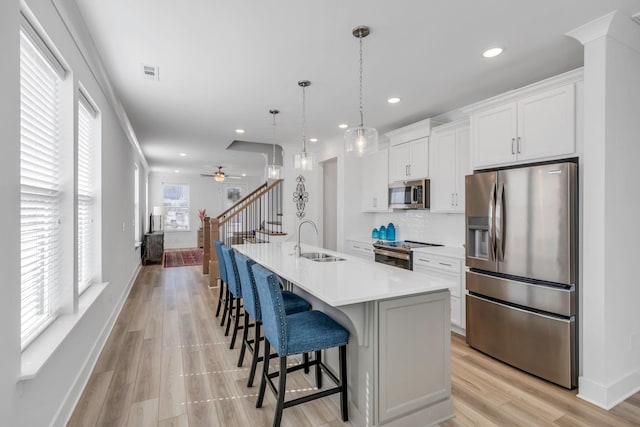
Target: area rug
182,258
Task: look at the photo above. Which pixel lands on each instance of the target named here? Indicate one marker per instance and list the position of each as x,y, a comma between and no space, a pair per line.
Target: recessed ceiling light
176,171
313,139
490,53
343,126
244,174
183,154
393,100
239,130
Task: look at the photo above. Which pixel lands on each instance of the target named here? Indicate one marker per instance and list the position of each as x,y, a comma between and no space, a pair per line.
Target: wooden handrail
257,194
239,202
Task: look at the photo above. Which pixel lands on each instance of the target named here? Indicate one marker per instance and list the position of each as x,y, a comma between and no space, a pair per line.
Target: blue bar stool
292,304
235,293
297,333
223,294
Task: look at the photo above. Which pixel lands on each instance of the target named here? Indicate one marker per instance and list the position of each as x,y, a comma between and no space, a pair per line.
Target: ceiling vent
636,18
151,72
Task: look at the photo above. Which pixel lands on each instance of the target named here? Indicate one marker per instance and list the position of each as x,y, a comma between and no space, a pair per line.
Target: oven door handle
392,254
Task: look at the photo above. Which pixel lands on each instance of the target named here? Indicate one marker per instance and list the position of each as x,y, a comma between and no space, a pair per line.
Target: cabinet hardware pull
456,199
425,260
513,140
445,264
406,170
452,202
519,139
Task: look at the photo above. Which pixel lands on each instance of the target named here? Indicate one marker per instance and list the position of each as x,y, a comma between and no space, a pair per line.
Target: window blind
86,195
40,259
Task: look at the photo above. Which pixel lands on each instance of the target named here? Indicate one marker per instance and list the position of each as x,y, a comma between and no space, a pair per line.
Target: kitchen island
399,349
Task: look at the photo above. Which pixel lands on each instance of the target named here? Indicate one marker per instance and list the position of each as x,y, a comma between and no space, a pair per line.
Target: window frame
171,209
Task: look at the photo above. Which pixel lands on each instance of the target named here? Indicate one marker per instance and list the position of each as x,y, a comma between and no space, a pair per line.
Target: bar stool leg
227,301
245,338
220,297
344,402
256,354
305,360
319,369
265,372
282,388
232,303
236,323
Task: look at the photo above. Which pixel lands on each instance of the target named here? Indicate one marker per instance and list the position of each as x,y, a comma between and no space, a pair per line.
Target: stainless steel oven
397,254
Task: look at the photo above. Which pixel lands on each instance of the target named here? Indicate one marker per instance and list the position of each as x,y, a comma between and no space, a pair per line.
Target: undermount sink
321,257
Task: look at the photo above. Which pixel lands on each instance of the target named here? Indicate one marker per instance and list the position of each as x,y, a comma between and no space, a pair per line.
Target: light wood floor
167,363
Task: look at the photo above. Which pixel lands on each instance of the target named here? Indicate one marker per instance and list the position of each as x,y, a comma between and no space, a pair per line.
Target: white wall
50,396
611,202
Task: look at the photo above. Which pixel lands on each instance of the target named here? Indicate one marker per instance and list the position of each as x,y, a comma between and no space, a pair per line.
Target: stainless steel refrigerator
521,254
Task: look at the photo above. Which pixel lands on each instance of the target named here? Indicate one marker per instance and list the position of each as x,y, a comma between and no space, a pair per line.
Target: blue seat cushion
312,330
294,303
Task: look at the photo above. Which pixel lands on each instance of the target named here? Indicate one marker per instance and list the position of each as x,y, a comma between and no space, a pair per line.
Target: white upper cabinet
494,133
449,158
409,161
534,123
546,124
409,151
375,182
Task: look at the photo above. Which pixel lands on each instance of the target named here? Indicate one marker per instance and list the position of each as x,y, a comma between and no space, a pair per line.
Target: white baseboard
73,395
608,396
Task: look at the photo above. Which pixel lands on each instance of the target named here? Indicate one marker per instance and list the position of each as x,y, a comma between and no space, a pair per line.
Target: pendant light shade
304,160
274,171
360,140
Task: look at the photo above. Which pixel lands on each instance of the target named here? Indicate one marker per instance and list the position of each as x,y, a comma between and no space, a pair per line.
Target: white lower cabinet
449,270
361,249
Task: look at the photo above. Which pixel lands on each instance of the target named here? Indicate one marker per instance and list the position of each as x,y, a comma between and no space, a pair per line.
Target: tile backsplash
424,226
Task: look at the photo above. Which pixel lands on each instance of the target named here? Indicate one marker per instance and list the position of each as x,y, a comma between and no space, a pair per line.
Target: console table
153,247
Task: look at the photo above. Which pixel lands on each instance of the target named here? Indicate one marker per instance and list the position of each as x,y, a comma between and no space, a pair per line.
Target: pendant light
304,160
274,171
360,140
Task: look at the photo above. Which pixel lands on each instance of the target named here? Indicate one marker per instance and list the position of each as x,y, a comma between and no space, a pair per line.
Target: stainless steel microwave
409,194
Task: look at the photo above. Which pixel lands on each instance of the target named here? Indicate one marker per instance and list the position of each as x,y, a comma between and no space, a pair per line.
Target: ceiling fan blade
205,174
233,177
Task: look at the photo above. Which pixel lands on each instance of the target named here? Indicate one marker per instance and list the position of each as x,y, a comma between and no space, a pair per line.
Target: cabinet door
399,156
494,133
463,165
375,180
546,124
419,159
442,156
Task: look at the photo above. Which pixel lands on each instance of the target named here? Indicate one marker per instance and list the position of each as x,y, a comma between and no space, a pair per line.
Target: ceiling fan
220,176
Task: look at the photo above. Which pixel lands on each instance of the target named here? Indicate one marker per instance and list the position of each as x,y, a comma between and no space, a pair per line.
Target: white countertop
339,283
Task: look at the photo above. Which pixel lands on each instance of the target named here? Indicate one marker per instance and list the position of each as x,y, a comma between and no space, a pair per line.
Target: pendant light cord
304,114
273,158
361,109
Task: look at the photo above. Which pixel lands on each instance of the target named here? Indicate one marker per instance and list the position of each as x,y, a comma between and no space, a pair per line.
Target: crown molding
615,25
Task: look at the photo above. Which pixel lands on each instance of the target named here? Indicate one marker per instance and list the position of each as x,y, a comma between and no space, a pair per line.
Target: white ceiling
224,64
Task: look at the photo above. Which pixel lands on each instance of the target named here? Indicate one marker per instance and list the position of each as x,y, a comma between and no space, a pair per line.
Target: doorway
330,204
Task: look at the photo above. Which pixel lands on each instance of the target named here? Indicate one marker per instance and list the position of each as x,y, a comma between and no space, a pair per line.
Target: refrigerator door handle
492,237
500,223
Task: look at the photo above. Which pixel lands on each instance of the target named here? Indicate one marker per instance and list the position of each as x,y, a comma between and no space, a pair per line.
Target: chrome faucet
298,247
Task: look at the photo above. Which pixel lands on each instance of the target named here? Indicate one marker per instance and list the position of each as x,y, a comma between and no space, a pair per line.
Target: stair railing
256,218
